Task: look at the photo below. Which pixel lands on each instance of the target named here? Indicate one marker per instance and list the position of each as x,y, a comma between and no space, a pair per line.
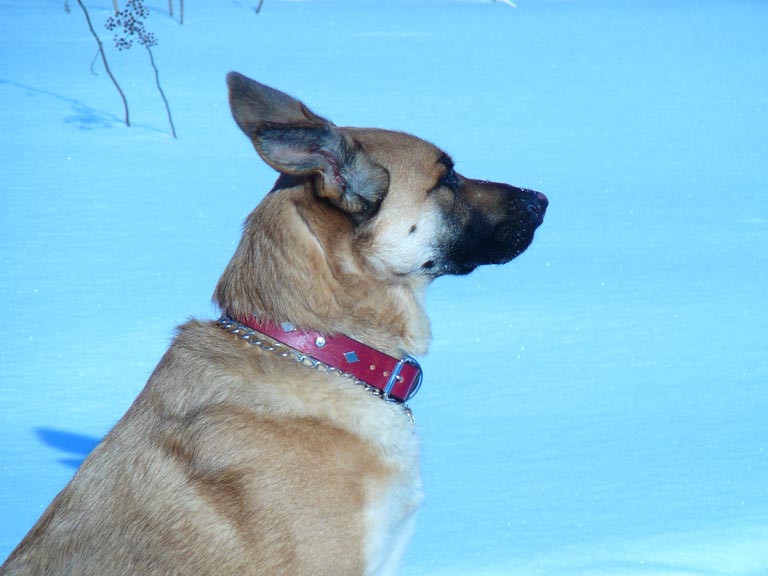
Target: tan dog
245,456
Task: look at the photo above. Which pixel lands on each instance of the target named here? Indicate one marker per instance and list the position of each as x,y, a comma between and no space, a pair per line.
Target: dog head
382,210
414,214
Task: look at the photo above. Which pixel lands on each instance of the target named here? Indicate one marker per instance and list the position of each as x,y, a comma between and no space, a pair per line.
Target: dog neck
298,261
387,377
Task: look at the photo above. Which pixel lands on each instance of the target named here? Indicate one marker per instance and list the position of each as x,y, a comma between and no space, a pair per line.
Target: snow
596,407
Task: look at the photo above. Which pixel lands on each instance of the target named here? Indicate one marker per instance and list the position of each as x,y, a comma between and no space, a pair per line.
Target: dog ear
294,140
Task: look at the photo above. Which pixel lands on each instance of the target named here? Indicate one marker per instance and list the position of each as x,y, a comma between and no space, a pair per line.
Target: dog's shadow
75,446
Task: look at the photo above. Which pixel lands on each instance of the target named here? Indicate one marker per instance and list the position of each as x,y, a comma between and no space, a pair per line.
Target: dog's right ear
294,140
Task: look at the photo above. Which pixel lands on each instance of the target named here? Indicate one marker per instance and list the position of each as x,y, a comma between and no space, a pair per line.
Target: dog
277,440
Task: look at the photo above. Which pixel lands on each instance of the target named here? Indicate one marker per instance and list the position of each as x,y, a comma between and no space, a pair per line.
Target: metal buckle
392,380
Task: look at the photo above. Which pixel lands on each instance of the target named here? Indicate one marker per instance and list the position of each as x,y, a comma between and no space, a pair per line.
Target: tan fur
236,461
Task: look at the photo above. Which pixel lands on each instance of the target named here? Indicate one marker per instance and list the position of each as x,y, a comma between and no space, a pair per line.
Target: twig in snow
104,59
160,89
131,20
93,63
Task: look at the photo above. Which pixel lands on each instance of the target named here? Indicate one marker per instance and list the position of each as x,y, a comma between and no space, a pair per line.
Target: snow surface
597,407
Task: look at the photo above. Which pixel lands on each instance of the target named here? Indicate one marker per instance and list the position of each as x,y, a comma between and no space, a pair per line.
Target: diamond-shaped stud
287,327
351,357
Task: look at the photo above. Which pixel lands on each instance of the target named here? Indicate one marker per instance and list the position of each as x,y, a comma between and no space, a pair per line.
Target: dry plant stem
159,88
104,59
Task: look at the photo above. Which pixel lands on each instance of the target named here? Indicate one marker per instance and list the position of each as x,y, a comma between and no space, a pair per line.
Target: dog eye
449,180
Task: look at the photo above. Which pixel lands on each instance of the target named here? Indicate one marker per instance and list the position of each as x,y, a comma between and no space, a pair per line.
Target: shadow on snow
84,117
75,446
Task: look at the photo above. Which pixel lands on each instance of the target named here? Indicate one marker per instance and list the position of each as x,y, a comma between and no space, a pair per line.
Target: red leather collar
396,380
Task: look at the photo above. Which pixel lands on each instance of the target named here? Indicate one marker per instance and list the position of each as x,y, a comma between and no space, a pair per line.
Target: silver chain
268,344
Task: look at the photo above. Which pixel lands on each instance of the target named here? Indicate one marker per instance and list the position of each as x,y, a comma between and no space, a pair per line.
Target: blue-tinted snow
597,407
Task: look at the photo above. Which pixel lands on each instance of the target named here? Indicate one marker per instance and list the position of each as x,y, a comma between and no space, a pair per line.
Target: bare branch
104,59
160,89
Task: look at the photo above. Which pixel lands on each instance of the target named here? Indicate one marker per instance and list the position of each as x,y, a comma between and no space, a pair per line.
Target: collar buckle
395,375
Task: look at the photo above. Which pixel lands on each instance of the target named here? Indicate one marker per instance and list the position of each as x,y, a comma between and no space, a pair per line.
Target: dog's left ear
294,140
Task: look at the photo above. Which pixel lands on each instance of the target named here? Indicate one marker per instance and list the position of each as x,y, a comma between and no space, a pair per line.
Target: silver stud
320,342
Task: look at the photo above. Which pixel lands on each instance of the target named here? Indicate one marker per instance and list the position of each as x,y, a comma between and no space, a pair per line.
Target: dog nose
537,202
536,205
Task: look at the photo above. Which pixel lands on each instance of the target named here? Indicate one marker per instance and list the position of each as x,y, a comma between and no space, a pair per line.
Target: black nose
536,205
